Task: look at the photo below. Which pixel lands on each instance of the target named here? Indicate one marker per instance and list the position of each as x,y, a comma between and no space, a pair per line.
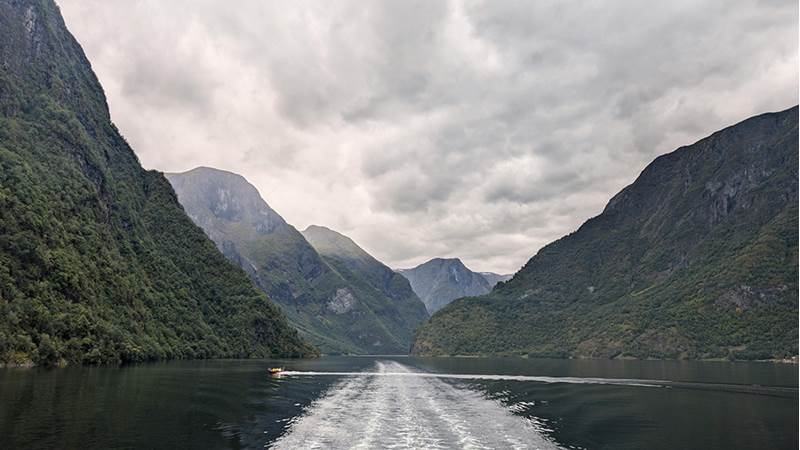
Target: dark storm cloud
476,129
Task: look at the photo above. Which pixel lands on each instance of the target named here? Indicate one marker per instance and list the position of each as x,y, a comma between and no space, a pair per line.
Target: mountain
358,266
696,259
98,262
440,281
330,303
494,278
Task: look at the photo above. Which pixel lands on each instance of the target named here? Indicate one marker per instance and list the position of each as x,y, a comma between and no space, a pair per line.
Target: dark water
524,403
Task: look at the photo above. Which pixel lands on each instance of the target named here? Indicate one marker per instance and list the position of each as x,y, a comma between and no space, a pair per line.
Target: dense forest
98,261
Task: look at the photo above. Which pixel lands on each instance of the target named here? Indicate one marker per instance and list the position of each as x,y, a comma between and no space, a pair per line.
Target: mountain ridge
697,258
439,281
98,262
345,255
335,309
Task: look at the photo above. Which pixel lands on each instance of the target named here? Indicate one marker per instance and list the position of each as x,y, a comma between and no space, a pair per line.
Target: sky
479,130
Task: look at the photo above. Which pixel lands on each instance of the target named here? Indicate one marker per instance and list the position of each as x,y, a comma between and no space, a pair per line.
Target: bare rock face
342,302
743,297
211,195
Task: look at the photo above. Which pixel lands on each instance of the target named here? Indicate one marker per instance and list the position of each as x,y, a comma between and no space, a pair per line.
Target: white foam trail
401,409
461,376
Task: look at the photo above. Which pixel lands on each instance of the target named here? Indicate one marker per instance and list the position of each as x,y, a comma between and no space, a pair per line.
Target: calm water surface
400,402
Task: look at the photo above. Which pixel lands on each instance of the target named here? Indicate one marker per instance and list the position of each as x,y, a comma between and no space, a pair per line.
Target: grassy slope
389,293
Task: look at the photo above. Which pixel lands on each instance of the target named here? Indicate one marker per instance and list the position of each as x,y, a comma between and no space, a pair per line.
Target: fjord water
379,402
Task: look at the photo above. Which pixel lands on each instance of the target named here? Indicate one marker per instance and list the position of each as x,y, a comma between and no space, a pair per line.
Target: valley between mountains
694,260
104,262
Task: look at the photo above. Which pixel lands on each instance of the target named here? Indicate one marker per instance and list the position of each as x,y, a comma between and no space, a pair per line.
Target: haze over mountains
339,297
698,258
442,280
98,261
494,278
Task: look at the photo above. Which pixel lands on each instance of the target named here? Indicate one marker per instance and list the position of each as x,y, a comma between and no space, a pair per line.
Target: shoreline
28,365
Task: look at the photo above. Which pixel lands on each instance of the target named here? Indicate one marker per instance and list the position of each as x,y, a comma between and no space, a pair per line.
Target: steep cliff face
341,308
697,258
440,281
98,262
232,213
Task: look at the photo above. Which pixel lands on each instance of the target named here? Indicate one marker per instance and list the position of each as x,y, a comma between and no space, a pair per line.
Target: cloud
476,129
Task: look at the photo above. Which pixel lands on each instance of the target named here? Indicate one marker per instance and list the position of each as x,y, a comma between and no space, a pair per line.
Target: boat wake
460,376
394,407
780,391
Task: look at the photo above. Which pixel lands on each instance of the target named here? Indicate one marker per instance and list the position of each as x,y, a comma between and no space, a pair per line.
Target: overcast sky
479,130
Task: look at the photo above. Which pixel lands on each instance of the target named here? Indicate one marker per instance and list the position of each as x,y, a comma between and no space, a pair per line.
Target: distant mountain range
440,281
698,258
340,298
494,278
98,262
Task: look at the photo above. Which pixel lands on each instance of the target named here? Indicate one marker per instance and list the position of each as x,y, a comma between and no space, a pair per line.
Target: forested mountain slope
696,259
334,309
358,266
98,261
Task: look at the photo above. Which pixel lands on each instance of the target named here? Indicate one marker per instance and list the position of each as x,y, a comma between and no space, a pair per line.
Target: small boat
275,370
